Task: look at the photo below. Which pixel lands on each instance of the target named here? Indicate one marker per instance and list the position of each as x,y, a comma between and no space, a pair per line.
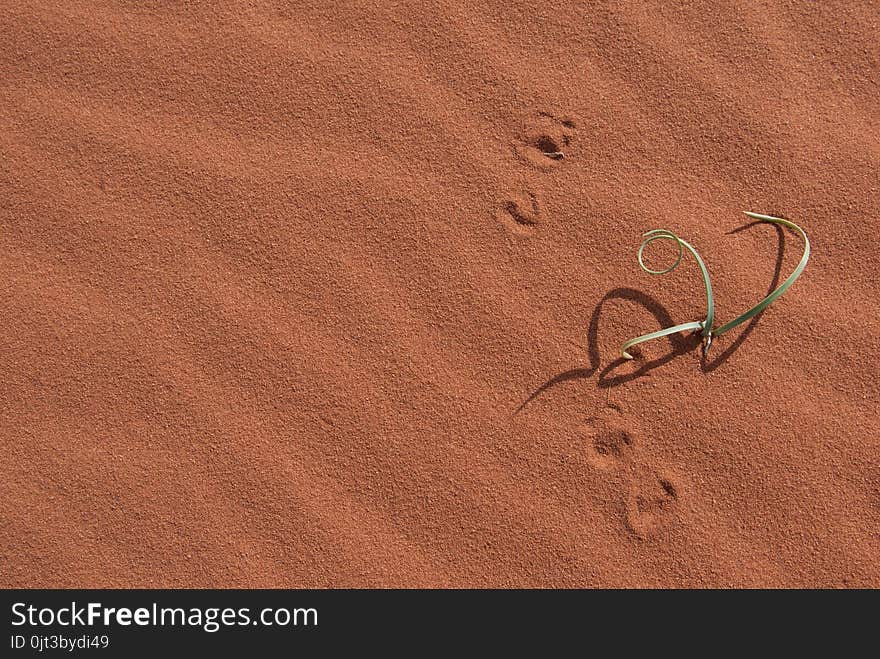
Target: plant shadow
679,344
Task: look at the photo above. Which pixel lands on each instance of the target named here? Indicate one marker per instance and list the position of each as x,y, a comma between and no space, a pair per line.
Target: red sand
292,297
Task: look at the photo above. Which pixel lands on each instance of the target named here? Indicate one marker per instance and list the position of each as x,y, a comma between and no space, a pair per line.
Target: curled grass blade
784,286
705,326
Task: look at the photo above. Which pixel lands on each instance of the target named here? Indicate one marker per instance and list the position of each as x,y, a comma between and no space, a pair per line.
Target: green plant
706,326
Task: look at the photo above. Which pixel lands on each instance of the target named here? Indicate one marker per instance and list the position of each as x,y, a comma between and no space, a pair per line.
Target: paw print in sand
651,503
520,213
610,443
651,496
545,141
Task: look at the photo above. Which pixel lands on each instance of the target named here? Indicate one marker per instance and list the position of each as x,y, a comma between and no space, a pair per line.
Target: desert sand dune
332,294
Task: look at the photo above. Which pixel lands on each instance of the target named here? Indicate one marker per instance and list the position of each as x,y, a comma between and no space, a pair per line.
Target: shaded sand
295,296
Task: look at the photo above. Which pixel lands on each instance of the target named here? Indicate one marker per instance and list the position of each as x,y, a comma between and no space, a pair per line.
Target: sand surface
292,296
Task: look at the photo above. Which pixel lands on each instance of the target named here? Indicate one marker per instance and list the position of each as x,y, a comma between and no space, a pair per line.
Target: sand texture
296,294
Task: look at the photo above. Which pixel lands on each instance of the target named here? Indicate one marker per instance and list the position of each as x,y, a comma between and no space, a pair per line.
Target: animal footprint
652,496
610,443
520,213
651,503
545,141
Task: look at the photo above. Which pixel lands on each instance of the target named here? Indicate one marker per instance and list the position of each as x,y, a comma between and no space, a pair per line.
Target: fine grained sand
291,295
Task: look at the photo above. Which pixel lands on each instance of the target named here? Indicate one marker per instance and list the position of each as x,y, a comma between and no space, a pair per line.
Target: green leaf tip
706,326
